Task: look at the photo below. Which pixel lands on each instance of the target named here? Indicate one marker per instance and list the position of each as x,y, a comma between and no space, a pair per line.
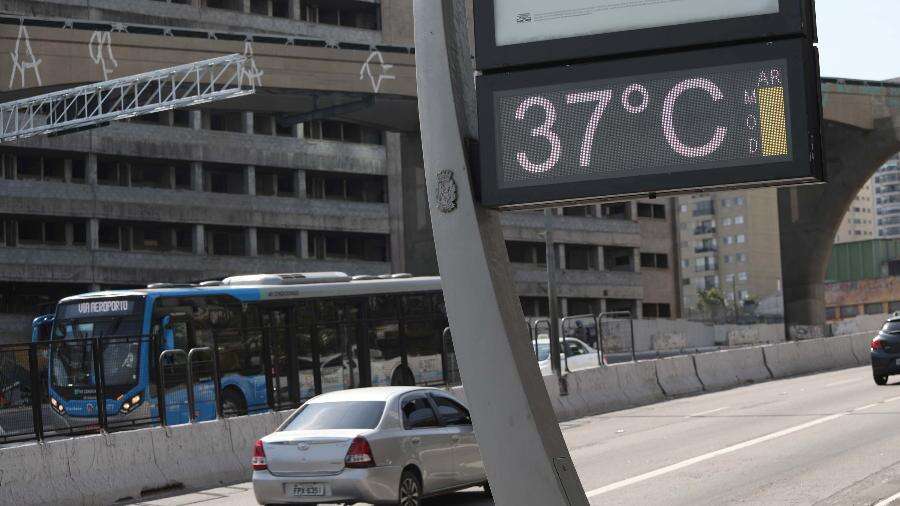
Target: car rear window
337,415
891,327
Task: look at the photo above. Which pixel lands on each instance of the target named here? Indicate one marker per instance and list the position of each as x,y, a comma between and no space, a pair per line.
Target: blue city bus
273,340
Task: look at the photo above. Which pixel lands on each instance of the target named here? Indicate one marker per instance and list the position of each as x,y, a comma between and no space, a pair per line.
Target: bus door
173,367
290,375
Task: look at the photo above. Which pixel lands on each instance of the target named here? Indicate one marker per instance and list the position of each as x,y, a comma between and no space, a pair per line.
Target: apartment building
729,241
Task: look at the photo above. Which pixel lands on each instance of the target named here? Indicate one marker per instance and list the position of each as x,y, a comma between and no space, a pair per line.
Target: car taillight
360,454
877,345
259,457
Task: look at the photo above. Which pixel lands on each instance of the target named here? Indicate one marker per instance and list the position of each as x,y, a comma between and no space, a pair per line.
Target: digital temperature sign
729,117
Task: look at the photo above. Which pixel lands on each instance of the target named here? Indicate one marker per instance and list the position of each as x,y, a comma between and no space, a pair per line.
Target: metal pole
217,378
551,295
161,388
37,393
98,380
633,351
517,430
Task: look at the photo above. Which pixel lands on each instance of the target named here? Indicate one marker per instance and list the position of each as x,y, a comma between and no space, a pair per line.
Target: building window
741,258
830,313
276,242
275,183
616,211
742,276
741,239
226,241
535,306
577,307
874,308
579,211
341,132
657,211
333,186
226,121
894,306
684,208
581,257
526,252
657,311
655,260
353,14
618,259
849,311
346,246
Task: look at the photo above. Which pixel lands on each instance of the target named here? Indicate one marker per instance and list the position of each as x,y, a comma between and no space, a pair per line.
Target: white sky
859,39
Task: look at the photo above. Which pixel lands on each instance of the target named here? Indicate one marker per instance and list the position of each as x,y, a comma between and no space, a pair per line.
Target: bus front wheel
233,403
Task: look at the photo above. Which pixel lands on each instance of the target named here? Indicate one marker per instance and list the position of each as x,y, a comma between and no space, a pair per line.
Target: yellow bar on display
772,121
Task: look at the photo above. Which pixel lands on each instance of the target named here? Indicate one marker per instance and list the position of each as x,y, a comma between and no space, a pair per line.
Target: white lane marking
731,449
707,412
889,500
702,458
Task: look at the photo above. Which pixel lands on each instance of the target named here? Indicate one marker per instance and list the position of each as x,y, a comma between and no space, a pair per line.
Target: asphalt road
826,439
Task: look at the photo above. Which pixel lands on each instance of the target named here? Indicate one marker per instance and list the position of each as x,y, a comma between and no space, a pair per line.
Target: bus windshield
119,333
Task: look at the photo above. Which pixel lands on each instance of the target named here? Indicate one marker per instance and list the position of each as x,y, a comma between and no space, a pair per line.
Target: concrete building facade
729,243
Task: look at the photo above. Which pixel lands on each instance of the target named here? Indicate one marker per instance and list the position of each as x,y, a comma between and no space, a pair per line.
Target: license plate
307,489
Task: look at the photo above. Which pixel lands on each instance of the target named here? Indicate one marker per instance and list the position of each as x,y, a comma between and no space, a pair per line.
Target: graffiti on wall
101,52
24,60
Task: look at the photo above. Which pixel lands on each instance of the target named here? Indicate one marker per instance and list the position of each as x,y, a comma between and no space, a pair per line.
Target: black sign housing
795,18
737,116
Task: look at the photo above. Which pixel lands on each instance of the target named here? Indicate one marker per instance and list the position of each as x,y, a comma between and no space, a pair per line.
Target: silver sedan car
384,445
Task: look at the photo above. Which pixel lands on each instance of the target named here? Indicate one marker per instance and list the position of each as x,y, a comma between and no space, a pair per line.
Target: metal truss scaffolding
159,90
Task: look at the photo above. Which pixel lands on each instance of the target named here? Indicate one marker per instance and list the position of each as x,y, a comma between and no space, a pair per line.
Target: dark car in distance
886,350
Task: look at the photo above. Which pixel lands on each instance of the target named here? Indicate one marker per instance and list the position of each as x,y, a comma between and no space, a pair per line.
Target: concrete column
14,169
250,180
196,3
167,118
197,176
561,256
199,240
171,177
247,6
298,131
196,119
563,307
270,7
93,234
248,122
70,233
90,169
638,309
300,183
602,305
67,170
252,249
636,259
303,244
127,177
294,9
601,259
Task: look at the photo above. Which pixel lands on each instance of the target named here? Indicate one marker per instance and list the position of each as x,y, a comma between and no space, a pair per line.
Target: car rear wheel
410,489
881,379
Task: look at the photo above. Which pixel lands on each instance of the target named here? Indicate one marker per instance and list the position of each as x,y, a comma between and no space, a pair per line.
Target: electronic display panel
735,116
533,32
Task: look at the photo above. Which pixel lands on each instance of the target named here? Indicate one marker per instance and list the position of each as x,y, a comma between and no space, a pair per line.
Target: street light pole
553,303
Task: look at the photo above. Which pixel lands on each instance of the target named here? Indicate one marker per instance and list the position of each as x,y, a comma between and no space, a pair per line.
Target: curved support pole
526,458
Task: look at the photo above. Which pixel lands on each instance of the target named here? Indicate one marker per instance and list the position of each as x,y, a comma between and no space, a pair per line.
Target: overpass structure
862,130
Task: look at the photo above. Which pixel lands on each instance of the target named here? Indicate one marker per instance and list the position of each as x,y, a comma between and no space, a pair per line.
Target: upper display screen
522,21
723,116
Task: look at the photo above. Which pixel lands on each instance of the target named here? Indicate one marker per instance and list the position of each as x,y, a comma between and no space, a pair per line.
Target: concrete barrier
861,345
730,368
638,382
677,376
783,360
